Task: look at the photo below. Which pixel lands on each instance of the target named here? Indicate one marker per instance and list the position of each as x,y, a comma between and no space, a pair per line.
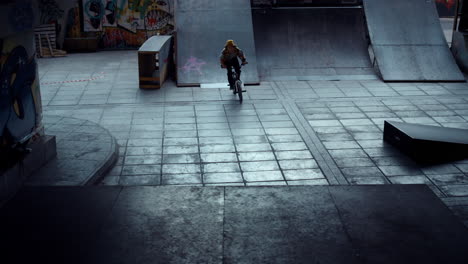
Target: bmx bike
238,85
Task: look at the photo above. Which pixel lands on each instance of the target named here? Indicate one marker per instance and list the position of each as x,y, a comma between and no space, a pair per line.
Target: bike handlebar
242,64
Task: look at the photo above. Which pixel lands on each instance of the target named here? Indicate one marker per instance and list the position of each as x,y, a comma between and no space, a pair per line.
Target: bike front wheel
239,90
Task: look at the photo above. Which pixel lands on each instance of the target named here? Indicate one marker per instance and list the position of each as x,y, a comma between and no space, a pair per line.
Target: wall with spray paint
20,107
20,98
119,24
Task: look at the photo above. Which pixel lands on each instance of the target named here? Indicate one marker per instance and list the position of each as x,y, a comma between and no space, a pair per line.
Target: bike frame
237,84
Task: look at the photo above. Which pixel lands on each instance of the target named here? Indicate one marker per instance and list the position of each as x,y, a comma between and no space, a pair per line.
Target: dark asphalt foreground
302,224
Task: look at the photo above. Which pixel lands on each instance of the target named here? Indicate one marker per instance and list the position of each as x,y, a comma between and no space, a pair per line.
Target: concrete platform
86,152
43,149
314,224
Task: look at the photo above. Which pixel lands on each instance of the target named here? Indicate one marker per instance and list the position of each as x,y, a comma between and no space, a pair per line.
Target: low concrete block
11,180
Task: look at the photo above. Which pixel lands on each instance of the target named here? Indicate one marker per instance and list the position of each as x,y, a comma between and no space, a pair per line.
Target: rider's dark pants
234,63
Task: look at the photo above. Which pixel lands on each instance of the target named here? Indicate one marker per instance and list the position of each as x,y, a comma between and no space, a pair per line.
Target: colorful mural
117,38
120,24
20,100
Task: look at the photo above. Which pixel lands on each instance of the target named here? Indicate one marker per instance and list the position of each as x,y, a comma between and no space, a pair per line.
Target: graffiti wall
20,100
120,24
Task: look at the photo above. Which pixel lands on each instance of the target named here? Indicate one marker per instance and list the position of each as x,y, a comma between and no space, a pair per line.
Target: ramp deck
203,26
295,43
408,41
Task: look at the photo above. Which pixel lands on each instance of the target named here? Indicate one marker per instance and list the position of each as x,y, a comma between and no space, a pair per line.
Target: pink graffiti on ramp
193,64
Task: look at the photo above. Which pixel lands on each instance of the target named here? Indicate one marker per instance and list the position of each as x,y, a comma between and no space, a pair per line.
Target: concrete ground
285,132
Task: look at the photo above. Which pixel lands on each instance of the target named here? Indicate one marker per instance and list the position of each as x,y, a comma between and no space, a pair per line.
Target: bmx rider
228,60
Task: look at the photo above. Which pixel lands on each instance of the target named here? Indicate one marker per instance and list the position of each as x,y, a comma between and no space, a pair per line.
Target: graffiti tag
114,39
193,64
156,19
111,9
17,107
94,10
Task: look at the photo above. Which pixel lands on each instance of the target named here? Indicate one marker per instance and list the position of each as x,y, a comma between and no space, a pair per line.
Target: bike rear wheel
239,90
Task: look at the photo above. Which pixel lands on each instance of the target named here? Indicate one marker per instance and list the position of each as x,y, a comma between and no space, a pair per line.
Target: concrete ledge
85,153
107,164
43,150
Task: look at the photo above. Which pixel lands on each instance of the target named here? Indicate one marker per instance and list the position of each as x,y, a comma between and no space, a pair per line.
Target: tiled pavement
285,132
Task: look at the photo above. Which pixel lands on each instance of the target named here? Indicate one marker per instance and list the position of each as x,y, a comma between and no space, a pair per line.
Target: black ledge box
427,144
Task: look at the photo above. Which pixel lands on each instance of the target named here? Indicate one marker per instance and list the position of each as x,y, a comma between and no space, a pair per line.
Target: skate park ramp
311,44
408,42
203,26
